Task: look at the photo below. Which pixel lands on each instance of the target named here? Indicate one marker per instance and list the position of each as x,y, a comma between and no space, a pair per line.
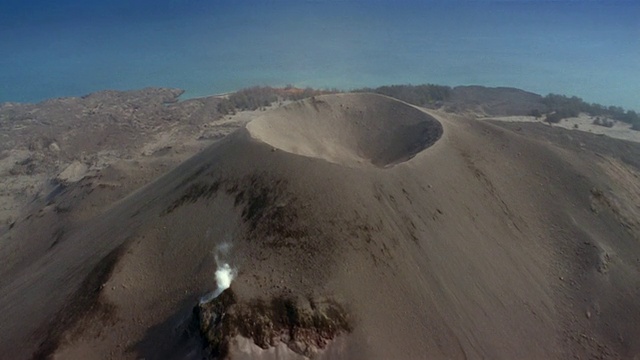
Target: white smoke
224,273
224,276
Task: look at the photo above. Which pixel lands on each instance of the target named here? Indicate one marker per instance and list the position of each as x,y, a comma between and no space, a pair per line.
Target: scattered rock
54,147
75,172
306,327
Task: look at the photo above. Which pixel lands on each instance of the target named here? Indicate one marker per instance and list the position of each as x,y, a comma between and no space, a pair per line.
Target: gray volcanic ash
435,235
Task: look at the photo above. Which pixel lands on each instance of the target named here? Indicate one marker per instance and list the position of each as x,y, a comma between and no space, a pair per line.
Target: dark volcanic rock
305,326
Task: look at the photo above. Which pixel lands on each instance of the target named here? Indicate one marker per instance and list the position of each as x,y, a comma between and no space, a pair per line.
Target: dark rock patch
305,326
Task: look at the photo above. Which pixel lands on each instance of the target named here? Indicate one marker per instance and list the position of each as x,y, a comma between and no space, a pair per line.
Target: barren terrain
584,123
435,235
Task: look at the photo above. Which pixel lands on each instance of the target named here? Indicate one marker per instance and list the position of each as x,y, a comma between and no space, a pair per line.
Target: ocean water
588,48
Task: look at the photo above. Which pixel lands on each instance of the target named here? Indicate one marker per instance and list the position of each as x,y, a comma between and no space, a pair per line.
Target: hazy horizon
587,49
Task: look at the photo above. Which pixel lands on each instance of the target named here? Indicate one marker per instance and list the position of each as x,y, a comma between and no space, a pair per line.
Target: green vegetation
603,122
259,97
557,115
427,95
535,113
562,107
248,99
553,106
253,98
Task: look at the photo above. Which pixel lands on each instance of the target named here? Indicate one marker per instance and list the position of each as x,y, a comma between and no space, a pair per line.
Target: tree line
553,106
426,95
562,107
258,97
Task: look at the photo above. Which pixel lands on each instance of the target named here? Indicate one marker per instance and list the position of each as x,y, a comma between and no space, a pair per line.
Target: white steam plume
224,274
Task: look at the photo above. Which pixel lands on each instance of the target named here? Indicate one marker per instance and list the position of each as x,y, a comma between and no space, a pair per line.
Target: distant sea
587,48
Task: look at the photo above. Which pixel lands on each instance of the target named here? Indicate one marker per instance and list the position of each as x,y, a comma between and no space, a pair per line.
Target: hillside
434,235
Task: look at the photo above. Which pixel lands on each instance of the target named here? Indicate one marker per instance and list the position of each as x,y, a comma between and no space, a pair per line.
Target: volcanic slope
442,237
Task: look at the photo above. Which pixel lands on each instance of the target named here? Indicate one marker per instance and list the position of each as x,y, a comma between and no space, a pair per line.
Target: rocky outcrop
304,326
